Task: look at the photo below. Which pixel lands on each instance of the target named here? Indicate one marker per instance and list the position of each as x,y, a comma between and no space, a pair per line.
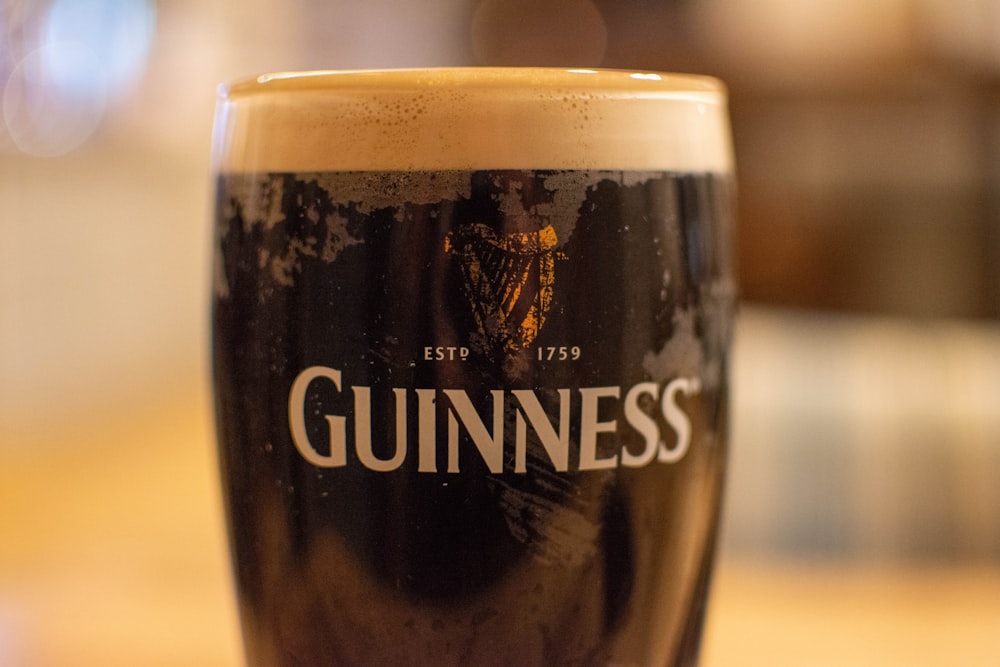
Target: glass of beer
470,333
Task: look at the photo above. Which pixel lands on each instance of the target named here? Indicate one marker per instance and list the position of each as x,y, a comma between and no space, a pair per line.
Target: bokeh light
45,111
118,32
63,64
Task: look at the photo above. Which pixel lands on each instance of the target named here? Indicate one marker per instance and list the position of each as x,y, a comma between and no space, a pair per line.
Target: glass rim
605,82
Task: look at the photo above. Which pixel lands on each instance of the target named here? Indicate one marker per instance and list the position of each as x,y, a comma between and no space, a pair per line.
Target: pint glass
470,332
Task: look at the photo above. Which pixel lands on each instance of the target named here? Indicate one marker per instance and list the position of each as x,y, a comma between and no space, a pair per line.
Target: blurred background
863,515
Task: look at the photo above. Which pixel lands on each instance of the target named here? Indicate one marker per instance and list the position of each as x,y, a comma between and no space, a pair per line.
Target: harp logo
507,281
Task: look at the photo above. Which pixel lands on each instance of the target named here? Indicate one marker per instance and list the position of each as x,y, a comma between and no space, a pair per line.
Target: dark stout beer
472,413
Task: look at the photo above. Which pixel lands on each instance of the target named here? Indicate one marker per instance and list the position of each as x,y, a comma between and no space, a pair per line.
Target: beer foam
473,118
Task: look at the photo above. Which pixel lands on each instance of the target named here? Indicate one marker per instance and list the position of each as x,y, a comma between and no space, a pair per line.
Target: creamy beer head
484,118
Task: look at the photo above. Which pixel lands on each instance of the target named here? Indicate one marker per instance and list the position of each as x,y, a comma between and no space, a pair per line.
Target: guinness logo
507,281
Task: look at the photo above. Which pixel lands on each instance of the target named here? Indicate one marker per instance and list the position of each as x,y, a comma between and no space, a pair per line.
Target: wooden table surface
112,553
